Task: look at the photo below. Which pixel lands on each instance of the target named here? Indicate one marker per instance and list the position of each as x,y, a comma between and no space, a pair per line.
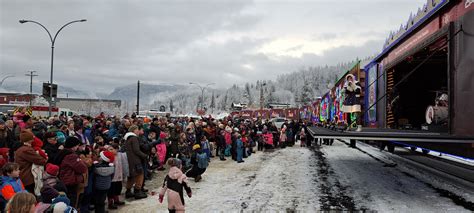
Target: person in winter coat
47,195
221,145
174,140
38,170
51,147
205,146
351,104
50,177
103,174
4,156
161,150
6,136
11,183
71,168
268,138
173,185
239,149
135,163
26,156
283,137
302,138
121,171
199,163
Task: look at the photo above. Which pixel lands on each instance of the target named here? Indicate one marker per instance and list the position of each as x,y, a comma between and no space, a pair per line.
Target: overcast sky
222,42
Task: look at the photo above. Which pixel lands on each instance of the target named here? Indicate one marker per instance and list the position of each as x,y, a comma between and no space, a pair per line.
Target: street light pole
53,40
31,74
201,102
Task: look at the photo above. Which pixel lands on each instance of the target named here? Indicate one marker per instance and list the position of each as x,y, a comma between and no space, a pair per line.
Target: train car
423,78
419,89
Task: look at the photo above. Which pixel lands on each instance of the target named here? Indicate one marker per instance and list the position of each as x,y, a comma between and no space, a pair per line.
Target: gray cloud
172,41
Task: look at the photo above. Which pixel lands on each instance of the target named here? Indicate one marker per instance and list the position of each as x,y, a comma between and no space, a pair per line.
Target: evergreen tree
213,102
171,105
306,94
248,94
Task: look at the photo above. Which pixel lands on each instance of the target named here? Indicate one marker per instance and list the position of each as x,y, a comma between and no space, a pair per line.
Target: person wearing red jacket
71,168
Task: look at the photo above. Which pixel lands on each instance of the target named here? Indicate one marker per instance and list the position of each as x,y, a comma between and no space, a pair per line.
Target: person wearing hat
351,104
48,194
103,174
135,159
173,186
6,136
71,168
51,147
199,161
155,126
26,156
50,177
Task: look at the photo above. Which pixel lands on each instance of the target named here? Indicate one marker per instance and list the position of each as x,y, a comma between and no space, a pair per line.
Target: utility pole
138,97
262,98
31,74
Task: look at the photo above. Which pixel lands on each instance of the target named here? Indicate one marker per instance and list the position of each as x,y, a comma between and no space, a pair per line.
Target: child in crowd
161,150
47,195
21,202
240,149
174,184
50,177
121,171
38,170
206,147
103,174
11,183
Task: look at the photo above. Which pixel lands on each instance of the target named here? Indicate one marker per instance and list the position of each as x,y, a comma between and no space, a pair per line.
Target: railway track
450,170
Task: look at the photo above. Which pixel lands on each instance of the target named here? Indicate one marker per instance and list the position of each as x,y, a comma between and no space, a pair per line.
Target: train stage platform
388,135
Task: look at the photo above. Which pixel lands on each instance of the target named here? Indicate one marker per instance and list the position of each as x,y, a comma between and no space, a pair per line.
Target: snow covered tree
248,94
171,105
306,94
213,102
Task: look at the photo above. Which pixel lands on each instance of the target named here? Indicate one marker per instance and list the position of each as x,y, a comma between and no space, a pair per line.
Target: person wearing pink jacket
173,185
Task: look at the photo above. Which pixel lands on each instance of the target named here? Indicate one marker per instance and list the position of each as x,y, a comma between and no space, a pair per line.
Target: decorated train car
418,91
423,78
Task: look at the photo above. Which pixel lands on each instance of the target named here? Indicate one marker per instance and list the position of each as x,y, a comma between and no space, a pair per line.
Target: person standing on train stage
351,105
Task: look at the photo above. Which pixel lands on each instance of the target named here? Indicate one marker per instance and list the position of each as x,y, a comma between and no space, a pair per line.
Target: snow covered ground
303,180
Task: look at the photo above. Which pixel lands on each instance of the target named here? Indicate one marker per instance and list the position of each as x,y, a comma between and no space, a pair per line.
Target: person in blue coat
240,149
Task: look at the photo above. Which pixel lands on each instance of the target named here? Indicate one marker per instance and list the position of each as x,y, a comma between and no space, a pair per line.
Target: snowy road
303,180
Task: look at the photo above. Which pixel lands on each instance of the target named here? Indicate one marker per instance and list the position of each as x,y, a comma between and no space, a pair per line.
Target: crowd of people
79,163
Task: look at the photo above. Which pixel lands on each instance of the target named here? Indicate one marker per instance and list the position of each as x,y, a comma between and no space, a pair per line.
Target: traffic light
46,90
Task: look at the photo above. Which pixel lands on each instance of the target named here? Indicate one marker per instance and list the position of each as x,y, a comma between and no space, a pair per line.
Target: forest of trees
297,88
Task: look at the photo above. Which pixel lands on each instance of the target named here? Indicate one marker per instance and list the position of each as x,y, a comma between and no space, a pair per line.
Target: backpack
202,160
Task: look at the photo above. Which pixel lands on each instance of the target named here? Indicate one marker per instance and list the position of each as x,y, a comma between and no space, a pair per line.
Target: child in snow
121,171
174,184
302,138
161,150
103,174
206,147
239,149
199,163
